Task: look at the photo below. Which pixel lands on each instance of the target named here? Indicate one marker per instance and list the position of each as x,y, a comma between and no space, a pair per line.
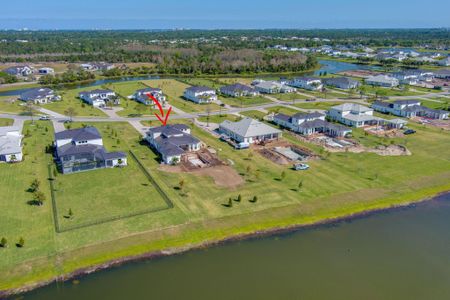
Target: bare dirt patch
359,73
444,124
282,152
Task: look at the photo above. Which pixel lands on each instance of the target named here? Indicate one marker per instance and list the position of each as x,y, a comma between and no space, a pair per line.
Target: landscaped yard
317,105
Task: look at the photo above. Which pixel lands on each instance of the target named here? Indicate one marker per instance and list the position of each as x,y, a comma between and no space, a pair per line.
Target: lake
403,253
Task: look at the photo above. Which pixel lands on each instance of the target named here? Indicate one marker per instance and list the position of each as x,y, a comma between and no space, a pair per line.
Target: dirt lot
389,133
444,124
268,152
359,73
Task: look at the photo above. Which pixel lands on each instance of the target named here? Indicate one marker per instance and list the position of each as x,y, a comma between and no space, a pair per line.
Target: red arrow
163,119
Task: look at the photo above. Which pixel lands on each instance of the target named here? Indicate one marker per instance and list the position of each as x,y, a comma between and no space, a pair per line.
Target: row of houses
26,70
409,109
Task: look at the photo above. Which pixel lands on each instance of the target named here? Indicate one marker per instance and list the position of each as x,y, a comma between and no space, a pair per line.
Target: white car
44,118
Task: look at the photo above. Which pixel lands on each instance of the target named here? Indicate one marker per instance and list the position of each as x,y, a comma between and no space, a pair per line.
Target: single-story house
10,144
273,87
444,62
98,97
344,83
238,90
39,95
409,109
19,70
249,131
172,141
46,71
200,94
443,74
141,96
101,66
307,83
310,123
82,150
355,115
382,80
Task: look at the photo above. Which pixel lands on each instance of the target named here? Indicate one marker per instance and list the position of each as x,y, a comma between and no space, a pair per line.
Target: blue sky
162,14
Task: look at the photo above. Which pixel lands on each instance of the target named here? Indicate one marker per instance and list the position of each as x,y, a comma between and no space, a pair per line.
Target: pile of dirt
391,150
273,156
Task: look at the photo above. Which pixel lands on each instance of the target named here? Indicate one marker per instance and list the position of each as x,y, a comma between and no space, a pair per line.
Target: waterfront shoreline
81,272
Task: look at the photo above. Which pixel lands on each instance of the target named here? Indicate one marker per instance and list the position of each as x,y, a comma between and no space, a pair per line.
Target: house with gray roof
248,131
409,109
443,74
200,94
382,80
141,96
310,123
307,83
344,83
444,62
99,97
353,114
82,149
171,142
10,144
39,96
20,71
273,87
238,90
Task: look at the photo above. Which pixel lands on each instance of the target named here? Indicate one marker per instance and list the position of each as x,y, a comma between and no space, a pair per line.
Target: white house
19,70
46,71
101,66
445,62
382,80
141,96
238,90
10,144
355,115
344,83
249,131
98,97
39,96
200,94
273,87
409,109
307,83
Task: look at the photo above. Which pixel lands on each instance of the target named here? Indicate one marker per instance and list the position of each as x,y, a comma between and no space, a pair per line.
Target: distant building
19,71
98,97
310,123
82,149
141,96
409,109
248,131
445,62
10,144
342,83
46,71
383,80
172,141
443,74
200,94
355,115
39,96
101,66
307,83
273,87
238,90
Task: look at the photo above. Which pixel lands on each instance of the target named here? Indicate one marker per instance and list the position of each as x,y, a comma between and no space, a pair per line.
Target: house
39,96
355,115
413,77
344,83
200,94
442,74
248,131
382,80
46,71
409,109
10,144
307,83
141,96
310,123
98,97
273,87
172,141
19,71
445,62
101,66
238,90
82,150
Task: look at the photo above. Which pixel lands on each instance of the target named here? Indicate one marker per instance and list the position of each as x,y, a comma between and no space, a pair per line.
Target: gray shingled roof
249,127
80,134
304,116
37,93
237,87
407,102
199,89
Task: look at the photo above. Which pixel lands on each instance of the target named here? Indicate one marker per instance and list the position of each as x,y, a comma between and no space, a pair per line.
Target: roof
10,140
172,139
80,134
304,116
199,89
282,117
266,85
397,121
36,93
237,87
353,107
382,104
97,151
148,90
97,91
340,80
305,78
249,127
407,102
15,69
381,78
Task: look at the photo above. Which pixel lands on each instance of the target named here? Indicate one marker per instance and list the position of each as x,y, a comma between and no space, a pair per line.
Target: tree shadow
227,205
33,203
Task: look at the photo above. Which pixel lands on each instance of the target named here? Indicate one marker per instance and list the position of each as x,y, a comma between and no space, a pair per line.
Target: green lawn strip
290,96
444,103
219,118
244,101
283,110
19,87
255,114
10,104
390,91
317,105
6,122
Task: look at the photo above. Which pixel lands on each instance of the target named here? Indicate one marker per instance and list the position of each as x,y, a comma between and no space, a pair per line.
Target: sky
228,14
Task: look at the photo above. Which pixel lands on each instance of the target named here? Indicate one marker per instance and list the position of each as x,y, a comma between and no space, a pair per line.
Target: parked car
301,167
311,99
409,131
44,118
242,146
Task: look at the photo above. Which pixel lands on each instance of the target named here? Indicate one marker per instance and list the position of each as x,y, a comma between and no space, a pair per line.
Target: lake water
400,254
329,66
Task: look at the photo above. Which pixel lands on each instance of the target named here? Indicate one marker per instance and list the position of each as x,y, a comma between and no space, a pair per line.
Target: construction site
283,153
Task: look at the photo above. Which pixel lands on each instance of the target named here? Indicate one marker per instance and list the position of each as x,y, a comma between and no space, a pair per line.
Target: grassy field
317,105
10,104
244,101
440,103
255,114
337,185
283,110
219,118
391,91
6,122
70,99
290,96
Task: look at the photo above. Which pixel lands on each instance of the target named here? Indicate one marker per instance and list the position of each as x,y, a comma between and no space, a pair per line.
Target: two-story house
200,94
141,96
98,97
307,83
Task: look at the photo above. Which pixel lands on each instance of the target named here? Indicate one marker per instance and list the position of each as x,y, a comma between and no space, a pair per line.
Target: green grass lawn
391,91
10,104
244,101
212,83
70,99
338,185
255,114
6,122
317,105
328,95
290,96
283,110
219,118
444,103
